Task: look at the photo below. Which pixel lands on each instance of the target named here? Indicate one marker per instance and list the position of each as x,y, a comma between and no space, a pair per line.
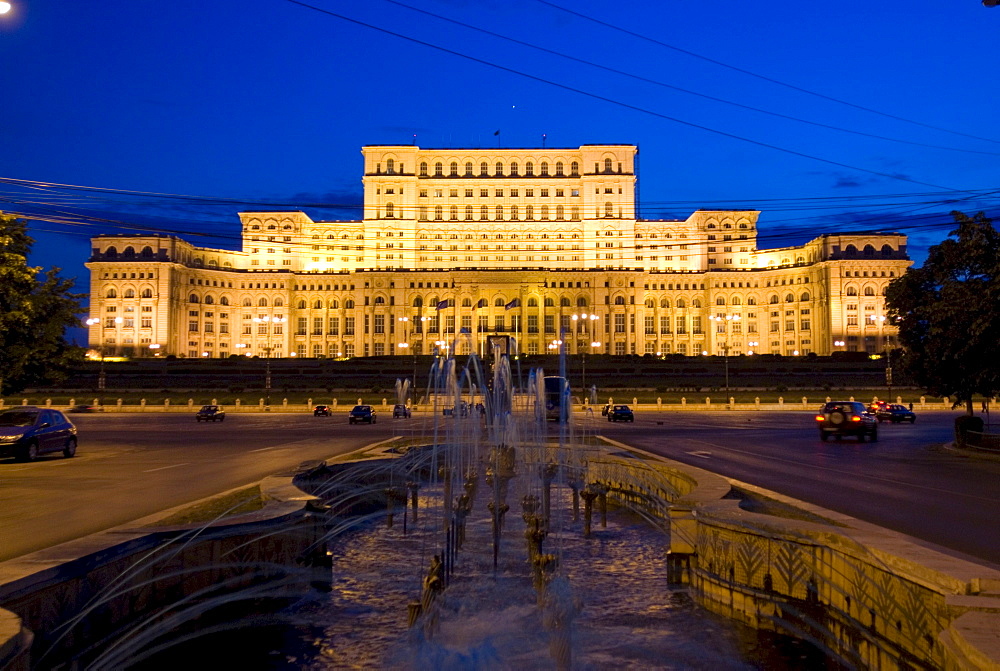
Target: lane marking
839,471
265,449
163,468
704,454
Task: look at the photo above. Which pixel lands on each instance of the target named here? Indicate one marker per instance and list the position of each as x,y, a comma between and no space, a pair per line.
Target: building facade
457,245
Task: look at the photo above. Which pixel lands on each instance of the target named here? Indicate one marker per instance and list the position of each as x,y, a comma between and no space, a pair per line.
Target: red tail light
819,418
855,419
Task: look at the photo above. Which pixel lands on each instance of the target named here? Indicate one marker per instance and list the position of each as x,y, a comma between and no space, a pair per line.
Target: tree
35,310
948,313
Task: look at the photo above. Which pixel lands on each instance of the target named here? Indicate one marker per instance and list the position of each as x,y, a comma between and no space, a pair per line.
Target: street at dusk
130,466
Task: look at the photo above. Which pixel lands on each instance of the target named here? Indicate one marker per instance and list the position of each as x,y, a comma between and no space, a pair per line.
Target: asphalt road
907,481
130,465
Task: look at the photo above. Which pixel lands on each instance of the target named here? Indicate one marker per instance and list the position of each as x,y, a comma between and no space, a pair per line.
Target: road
131,465
907,481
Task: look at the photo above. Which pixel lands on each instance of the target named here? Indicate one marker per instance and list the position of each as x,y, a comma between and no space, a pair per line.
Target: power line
674,87
760,76
612,101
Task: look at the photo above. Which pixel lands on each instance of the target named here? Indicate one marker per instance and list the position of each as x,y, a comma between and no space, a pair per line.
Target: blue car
27,432
895,413
362,413
621,413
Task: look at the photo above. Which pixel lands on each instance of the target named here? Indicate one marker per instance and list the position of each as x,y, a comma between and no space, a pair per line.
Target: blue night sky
266,103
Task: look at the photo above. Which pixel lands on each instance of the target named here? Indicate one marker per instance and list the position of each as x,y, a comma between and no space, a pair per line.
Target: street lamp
405,321
586,318
723,321
100,350
751,345
267,356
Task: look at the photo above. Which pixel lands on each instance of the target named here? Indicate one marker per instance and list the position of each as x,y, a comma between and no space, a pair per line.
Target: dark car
27,431
846,418
621,413
875,406
895,413
210,413
322,411
86,408
362,413
400,411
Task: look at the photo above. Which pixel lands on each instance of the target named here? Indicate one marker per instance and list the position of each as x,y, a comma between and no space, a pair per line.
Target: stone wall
144,583
871,597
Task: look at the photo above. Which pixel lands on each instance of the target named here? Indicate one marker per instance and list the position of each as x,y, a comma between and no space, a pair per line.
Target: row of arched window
868,251
867,291
129,293
271,226
129,253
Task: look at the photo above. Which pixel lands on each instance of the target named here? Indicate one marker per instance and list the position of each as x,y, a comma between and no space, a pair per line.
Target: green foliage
948,313
35,310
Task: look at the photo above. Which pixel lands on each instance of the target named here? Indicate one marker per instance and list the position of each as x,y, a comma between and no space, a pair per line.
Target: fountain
461,585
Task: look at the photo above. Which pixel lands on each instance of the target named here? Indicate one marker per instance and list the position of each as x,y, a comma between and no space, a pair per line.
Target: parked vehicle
400,411
322,411
621,413
362,413
895,413
86,408
27,432
846,418
210,413
459,410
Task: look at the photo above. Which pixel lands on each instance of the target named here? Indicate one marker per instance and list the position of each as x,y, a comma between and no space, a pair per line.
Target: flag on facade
513,304
442,304
465,329
480,304
498,132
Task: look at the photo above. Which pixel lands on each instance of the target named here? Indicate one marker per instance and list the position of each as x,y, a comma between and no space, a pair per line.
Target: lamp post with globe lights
94,321
266,320
406,345
723,328
585,322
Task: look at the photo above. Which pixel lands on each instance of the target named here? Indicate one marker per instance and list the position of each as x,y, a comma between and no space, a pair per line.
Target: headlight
9,439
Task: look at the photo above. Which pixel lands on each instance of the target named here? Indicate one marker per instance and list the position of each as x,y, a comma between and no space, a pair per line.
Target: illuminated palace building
457,245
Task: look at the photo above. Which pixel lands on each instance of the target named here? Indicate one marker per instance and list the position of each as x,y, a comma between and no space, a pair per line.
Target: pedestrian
911,406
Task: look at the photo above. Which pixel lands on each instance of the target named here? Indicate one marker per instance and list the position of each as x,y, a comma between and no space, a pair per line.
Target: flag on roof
513,304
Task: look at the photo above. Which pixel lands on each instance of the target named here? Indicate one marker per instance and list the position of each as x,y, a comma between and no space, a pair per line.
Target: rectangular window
532,323
550,324
665,325
681,325
334,326
192,326
349,326
620,324
301,325
379,324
